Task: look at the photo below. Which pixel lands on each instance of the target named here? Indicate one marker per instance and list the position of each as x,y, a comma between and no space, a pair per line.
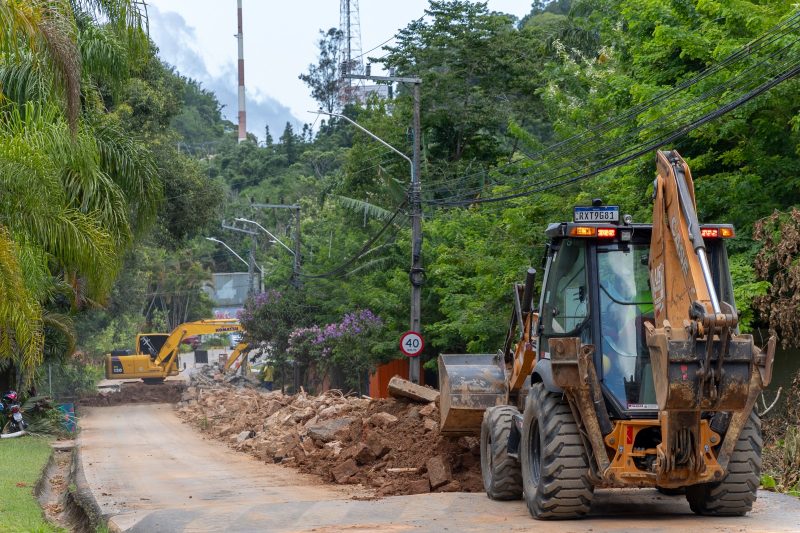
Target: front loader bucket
469,384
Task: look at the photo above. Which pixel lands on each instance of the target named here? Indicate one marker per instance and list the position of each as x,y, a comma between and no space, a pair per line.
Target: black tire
735,494
501,473
671,492
555,465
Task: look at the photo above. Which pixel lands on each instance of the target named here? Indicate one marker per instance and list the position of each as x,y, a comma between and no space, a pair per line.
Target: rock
413,414
430,424
360,452
453,486
428,410
330,430
342,472
399,387
420,486
377,445
272,407
382,419
335,447
438,471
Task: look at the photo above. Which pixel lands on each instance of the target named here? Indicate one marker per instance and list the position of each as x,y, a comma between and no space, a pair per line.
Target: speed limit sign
411,343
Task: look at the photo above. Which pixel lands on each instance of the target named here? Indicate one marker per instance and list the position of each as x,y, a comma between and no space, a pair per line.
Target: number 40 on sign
411,343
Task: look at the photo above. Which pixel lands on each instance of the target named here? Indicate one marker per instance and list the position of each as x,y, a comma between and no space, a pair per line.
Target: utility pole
297,281
251,264
417,273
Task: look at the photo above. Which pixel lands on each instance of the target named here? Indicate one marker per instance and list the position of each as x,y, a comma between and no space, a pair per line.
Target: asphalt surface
149,472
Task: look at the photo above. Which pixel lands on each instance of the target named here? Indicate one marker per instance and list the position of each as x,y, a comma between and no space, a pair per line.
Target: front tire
501,473
735,494
555,465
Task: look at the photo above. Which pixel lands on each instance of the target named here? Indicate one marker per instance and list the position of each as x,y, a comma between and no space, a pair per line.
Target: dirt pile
391,446
167,392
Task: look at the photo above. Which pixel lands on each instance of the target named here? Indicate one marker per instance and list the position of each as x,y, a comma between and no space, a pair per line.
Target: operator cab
597,287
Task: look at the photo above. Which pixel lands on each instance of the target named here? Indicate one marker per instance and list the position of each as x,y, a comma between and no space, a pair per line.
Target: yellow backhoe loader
630,373
157,353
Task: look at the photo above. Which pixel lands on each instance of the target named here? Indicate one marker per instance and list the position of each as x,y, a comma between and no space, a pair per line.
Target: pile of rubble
137,392
391,446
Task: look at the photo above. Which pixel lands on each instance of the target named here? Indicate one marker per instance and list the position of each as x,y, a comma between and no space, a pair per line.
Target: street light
265,230
416,272
231,250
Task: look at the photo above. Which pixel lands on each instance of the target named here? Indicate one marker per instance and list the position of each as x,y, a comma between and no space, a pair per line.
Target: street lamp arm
231,250
365,130
265,230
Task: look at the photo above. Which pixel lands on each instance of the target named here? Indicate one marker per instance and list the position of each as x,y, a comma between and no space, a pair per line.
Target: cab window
566,302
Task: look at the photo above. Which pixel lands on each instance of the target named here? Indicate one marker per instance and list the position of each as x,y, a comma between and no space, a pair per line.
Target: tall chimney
242,112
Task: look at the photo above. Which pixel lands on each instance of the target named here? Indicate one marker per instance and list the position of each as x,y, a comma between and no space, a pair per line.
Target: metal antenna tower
352,62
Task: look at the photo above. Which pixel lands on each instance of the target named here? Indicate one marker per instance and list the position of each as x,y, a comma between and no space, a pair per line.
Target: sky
280,41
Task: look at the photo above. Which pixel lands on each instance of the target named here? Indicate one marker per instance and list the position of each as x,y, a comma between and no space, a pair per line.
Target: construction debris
402,388
391,446
137,392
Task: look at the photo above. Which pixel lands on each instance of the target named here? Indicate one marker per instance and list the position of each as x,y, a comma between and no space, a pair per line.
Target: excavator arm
167,355
700,363
240,350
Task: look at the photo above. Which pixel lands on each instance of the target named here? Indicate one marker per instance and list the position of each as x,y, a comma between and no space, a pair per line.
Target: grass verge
21,463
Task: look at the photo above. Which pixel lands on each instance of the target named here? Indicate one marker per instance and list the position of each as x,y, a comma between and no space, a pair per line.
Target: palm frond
361,206
21,337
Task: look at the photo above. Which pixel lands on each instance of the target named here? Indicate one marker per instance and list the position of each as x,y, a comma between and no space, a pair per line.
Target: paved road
151,473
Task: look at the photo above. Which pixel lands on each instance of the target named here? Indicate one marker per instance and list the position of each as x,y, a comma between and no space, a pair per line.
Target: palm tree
73,189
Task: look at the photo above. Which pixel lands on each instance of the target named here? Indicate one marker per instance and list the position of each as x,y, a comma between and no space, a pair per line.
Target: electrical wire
340,269
593,136
644,149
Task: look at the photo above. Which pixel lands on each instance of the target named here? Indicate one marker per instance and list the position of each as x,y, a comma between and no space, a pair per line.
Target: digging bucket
469,384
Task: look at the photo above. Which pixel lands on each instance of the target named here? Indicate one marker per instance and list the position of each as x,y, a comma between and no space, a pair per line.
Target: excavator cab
597,288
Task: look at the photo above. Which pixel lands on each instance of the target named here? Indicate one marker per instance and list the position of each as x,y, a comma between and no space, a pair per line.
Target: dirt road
151,473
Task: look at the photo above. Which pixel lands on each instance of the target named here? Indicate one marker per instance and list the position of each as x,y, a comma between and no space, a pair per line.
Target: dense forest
114,169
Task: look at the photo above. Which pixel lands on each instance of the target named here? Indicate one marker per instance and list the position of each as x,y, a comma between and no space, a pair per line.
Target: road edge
80,495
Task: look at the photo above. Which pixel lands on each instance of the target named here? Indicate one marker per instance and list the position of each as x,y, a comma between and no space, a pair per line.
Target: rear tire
555,465
735,494
502,477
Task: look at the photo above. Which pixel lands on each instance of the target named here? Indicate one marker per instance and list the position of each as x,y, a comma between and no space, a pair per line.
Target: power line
339,270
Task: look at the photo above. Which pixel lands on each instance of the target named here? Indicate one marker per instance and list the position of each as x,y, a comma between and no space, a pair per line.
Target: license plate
607,213
17,417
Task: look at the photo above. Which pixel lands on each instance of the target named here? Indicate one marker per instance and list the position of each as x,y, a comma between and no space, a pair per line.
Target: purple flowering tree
269,318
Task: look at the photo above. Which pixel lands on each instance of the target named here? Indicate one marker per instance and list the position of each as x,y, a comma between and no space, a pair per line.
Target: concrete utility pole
417,272
242,111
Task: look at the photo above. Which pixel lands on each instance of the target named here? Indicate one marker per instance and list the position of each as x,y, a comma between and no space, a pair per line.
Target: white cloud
178,46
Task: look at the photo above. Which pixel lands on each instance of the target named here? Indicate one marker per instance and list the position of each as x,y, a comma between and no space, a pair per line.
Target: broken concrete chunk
342,472
438,471
360,452
420,486
430,424
382,419
399,387
330,430
377,445
428,410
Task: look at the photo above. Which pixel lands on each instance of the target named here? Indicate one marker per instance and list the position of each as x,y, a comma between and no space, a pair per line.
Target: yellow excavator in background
156,354
631,373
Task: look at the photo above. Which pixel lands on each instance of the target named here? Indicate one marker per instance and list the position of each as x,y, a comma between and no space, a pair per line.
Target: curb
81,495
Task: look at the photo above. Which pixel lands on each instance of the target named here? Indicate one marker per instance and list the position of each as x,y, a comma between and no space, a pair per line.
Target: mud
167,392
